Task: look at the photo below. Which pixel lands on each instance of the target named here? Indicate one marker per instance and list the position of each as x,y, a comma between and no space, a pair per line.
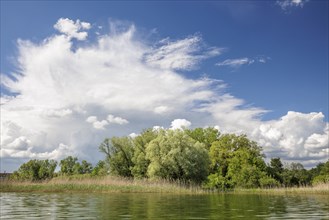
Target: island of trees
201,156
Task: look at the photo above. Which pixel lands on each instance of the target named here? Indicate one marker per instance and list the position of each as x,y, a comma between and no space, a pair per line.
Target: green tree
100,169
174,155
204,135
237,161
86,167
119,152
295,175
35,170
139,159
320,174
275,169
69,166
47,169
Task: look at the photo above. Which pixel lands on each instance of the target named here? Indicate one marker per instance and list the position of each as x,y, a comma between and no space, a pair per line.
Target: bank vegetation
181,160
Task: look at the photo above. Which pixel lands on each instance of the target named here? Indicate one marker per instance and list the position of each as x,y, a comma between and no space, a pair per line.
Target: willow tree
119,153
35,170
139,159
174,155
237,161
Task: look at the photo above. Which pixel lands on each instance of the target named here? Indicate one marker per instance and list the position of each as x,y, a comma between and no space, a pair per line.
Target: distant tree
100,169
86,167
119,152
47,169
321,176
275,169
295,175
69,166
36,170
174,155
107,148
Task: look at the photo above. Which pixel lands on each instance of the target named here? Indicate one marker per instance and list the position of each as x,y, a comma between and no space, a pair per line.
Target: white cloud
181,54
180,124
57,113
296,135
133,135
286,4
103,123
91,119
161,109
236,63
72,29
64,97
100,124
117,120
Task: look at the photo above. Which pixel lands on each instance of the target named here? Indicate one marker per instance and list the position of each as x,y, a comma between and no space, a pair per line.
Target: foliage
69,166
100,169
174,155
204,135
35,170
200,156
321,175
139,159
295,175
275,169
237,161
85,167
119,153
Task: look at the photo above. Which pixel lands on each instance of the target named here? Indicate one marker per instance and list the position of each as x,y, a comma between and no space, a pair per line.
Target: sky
76,72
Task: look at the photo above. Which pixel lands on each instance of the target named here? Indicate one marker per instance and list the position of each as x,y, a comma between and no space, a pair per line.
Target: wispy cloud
180,54
287,4
236,63
70,99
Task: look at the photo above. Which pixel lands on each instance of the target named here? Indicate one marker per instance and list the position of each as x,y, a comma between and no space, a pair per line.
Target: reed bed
106,184
110,184
320,189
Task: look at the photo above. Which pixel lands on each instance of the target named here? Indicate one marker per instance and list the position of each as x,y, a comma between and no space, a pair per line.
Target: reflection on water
161,206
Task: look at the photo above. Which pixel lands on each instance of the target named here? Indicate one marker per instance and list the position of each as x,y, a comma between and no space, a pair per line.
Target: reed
100,184
110,184
317,189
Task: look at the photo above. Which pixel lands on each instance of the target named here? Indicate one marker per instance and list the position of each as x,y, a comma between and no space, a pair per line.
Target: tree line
200,156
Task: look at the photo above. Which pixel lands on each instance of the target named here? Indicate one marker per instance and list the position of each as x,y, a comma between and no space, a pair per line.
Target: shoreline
121,185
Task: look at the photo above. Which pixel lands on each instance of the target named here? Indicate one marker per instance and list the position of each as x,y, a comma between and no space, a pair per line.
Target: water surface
161,206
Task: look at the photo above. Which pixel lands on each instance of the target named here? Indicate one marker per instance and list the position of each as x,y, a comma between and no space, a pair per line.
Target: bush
320,179
35,170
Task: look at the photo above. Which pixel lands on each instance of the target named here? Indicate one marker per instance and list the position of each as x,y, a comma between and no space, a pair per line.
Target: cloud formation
180,124
73,29
182,54
68,100
236,63
286,4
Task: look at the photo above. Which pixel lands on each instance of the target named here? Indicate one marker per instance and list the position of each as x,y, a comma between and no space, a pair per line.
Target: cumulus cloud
236,63
117,120
295,136
68,100
103,123
286,4
180,124
73,29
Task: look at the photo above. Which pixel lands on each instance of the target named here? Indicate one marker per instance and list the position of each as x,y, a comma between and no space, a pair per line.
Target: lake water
161,206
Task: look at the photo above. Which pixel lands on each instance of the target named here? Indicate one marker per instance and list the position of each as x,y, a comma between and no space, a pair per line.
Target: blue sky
266,65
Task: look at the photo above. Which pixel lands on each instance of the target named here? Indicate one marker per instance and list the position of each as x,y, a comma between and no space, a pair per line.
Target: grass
321,189
111,184
106,184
